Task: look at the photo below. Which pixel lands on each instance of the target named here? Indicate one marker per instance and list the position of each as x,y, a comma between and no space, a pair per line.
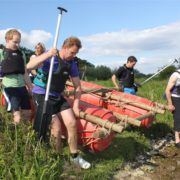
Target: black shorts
56,104
18,98
176,113
43,118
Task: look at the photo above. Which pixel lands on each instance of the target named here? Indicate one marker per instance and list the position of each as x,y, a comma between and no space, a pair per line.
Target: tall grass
23,157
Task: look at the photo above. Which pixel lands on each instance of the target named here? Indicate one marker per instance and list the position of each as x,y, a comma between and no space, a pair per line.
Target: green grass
22,157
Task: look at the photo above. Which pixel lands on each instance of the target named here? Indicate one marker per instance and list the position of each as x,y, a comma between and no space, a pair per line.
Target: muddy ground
162,163
168,165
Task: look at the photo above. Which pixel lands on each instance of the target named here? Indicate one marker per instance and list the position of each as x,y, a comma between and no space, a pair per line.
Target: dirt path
168,165
162,163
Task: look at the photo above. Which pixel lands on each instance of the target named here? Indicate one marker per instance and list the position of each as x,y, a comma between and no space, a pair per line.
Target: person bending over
64,67
125,76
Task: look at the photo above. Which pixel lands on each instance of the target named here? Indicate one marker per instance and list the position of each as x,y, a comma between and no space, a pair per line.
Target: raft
130,106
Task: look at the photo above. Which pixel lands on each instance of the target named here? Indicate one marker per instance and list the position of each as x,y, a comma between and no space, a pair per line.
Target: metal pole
174,61
44,118
54,46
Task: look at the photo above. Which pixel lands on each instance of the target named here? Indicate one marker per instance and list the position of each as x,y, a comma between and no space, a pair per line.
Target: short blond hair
9,34
72,41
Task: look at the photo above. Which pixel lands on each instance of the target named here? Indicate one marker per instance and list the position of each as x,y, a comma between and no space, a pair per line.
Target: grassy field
22,157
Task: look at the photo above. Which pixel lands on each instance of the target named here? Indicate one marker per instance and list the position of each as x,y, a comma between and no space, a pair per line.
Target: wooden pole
134,103
104,123
147,115
155,109
162,106
127,119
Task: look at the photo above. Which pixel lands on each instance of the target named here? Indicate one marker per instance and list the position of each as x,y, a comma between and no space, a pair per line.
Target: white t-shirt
176,75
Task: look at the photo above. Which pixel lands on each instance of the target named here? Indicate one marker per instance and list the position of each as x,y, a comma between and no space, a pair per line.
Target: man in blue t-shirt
64,67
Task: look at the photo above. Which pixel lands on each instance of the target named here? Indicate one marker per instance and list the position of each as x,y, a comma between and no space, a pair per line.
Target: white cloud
29,39
35,36
153,47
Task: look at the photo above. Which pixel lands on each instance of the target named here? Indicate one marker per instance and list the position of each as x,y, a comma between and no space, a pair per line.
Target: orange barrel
92,136
2,100
118,106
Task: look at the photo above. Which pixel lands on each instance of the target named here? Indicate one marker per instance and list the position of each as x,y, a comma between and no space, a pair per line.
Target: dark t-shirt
125,76
73,73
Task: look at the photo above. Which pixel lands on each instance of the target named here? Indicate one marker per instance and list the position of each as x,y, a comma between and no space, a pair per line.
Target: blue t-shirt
46,65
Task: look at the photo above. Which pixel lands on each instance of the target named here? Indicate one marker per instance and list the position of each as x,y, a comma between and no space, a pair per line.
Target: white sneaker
81,162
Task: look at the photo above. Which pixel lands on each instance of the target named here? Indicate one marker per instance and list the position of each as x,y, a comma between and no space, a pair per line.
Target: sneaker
81,162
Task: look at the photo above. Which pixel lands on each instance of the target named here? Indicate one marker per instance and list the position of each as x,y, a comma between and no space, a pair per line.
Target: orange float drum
91,136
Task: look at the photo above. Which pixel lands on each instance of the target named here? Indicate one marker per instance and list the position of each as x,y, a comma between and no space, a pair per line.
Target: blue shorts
130,90
18,98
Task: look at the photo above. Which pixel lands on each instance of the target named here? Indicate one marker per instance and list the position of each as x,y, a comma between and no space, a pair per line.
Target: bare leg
70,124
16,117
177,138
56,133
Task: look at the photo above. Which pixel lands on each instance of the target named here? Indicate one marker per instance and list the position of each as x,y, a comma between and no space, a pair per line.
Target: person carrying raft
64,67
125,76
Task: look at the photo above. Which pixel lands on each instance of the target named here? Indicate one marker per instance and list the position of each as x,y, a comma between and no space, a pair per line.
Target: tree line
90,72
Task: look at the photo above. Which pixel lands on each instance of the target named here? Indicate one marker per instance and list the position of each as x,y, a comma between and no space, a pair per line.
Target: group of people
18,87
125,77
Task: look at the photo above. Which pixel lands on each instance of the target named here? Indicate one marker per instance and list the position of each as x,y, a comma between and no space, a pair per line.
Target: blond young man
16,82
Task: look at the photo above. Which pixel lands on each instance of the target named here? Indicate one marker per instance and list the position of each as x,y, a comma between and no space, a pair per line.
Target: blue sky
110,30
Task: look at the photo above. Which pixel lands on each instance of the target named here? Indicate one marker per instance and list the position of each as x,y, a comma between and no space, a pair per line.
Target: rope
110,128
106,133
108,96
125,120
93,141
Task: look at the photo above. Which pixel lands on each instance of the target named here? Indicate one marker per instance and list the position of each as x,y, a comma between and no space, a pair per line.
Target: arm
77,94
33,72
34,62
114,79
170,85
116,75
28,81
